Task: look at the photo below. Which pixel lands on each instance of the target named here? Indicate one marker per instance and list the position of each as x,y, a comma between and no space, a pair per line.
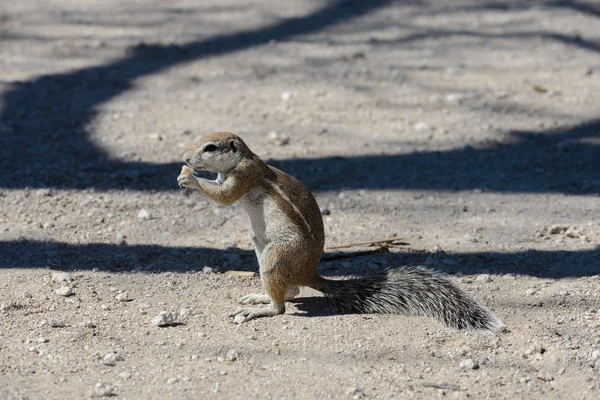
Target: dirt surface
468,130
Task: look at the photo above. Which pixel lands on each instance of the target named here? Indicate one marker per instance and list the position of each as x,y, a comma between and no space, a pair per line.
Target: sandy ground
468,130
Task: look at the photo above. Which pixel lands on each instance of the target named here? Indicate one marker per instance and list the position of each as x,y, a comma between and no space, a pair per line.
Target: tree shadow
156,259
43,136
44,141
563,161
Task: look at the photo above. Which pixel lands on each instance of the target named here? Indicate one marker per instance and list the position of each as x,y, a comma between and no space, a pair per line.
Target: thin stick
380,243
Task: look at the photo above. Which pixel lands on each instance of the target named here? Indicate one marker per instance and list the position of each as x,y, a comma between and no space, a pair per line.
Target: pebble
59,277
238,319
54,323
125,374
64,291
10,305
103,390
545,376
278,139
232,354
325,211
208,270
535,349
483,278
144,215
121,239
422,126
469,363
455,98
122,297
89,324
285,96
43,192
187,312
530,292
165,318
111,359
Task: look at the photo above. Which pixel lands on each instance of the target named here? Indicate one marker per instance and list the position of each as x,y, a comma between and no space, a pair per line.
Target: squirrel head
218,152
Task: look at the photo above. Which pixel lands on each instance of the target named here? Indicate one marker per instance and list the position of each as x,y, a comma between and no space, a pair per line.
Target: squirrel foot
248,314
255,298
259,298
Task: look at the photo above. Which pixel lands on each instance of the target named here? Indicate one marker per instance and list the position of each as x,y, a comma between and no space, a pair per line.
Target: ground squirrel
288,239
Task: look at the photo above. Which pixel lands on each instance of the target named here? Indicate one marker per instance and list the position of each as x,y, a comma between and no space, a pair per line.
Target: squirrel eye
210,148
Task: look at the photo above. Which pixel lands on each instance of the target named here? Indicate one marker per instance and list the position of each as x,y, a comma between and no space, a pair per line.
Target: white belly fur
269,222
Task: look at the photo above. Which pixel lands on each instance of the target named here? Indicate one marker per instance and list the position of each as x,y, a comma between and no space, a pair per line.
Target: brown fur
289,241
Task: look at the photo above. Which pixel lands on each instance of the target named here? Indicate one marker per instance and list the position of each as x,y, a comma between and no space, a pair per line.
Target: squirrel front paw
186,178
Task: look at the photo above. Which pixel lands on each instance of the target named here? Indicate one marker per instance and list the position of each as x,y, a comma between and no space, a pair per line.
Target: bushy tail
412,291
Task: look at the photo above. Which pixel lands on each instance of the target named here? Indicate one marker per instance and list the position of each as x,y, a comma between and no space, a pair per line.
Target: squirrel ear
233,145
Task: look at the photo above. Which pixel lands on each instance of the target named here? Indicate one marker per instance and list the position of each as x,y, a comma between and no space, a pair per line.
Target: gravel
60,277
398,131
165,318
64,291
144,215
469,364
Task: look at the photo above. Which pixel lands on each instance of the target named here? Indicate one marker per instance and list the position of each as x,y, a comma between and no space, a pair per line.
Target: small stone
484,278
422,126
122,297
187,312
111,359
545,376
208,270
469,364
125,375
59,277
10,305
325,211
533,350
557,229
530,292
165,318
285,96
144,215
43,192
56,323
121,239
278,139
455,98
103,390
172,381
238,319
232,355
64,291
89,324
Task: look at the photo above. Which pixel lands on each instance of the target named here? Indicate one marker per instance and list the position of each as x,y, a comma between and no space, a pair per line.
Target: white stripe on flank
291,203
